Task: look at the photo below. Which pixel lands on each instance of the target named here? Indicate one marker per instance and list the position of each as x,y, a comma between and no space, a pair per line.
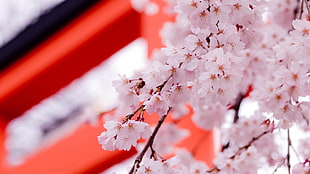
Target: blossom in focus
123,135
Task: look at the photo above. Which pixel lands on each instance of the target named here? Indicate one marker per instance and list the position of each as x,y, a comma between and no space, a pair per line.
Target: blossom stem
148,145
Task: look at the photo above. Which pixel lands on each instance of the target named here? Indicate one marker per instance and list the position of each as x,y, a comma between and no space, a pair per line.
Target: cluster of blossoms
123,135
218,53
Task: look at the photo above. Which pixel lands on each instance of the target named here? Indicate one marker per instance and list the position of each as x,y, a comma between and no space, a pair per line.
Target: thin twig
279,165
214,169
161,86
153,153
297,155
301,9
288,156
245,147
305,118
149,144
308,8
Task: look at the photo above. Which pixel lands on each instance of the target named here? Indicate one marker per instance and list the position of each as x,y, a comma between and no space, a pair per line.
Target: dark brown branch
236,107
296,10
153,153
148,145
301,9
160,87
226,146
214,169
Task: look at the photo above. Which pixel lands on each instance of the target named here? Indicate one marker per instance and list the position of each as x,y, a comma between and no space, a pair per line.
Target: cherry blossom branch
296,10
160,87
226,146
129,116
288,156
148,145
141,108
214,169
236,107
245,147
153,153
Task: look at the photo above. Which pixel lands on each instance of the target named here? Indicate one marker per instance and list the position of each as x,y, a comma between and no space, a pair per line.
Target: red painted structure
84,43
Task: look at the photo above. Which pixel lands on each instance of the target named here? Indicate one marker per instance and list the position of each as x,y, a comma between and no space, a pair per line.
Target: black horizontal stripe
46,25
